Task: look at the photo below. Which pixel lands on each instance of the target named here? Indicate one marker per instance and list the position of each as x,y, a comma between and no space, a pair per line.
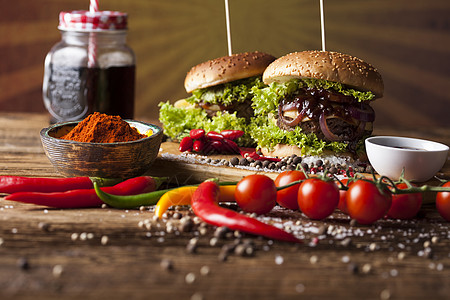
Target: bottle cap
83,20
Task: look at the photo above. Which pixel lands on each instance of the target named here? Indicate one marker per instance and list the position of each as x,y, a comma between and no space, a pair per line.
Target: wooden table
107,253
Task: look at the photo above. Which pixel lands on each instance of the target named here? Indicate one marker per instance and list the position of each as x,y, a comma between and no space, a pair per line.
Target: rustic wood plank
111,253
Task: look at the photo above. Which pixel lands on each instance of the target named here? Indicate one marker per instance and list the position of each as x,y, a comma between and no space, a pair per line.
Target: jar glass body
87,72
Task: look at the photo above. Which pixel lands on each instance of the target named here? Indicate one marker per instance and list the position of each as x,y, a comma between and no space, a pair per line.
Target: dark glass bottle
91,68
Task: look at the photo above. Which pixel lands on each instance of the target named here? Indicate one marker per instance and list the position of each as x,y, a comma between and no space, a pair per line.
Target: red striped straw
93,6
92,47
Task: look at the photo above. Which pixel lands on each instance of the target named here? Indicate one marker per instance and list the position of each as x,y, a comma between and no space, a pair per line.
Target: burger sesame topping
239,66
327,65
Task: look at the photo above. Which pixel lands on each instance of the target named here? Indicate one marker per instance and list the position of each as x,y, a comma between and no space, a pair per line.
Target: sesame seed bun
332,66
226,69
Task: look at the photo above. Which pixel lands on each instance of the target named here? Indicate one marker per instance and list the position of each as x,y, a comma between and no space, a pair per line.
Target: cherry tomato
256,194
443,203
405,206
342,205
317,198
366,203
288,197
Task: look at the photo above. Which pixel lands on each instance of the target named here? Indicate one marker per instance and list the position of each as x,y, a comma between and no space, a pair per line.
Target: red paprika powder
102,128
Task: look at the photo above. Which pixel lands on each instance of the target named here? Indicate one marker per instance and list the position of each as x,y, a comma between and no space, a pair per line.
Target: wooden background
407,40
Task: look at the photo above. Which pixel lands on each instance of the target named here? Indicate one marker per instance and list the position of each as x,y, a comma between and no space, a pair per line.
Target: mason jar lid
83,20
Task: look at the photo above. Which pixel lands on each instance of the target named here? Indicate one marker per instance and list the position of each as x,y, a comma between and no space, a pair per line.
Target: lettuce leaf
266,100
236,91
267,135
177,122
339,87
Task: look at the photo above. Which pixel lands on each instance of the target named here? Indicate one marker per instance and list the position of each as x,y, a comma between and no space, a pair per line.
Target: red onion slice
360,130
289,106
293,122
365,113
326,131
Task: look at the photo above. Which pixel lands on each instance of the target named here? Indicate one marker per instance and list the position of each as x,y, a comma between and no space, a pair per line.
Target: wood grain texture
106,253
408,41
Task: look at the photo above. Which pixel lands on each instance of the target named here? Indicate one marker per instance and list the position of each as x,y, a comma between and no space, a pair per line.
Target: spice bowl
419,159
107,160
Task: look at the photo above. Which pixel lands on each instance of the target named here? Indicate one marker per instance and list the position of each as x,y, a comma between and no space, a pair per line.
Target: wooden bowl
107,160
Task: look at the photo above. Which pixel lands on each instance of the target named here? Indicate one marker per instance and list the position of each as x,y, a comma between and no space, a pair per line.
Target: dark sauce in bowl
409,148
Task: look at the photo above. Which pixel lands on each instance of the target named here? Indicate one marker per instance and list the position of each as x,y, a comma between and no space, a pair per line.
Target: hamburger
316,103
221,96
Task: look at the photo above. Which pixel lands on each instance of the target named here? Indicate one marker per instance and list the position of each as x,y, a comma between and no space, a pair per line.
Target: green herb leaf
232,92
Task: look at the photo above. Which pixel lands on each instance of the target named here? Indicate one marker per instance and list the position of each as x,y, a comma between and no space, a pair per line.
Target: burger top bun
331,66
226,69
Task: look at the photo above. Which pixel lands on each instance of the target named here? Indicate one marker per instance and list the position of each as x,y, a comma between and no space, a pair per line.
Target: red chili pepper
230,146
14,184
212,135
87,197
250,152
207,147
186,144
198,146
217,146
232,134
197,133
205,206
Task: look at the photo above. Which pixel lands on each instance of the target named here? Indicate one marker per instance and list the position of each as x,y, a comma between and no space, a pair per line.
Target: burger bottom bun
282,150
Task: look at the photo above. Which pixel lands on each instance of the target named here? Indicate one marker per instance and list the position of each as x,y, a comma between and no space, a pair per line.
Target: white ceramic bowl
421,159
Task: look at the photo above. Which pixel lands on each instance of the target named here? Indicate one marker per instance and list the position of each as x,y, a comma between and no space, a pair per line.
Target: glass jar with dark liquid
91,68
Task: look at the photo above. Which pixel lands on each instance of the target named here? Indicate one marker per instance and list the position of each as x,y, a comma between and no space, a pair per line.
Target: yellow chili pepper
183,196
149,132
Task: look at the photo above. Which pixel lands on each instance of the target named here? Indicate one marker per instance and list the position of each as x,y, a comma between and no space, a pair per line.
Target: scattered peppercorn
44,226
234,161
23,263
190,278
243,162
353,268
192,245
221,232
205,270
186,224
166,264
